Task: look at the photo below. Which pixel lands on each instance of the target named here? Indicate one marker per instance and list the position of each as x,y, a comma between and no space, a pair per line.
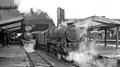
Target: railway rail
36,60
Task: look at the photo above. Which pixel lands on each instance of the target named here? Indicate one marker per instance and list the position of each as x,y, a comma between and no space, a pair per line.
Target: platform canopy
13,24
98,22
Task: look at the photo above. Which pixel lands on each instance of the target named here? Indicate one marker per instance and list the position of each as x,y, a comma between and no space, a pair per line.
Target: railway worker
0,37
6,38
27,34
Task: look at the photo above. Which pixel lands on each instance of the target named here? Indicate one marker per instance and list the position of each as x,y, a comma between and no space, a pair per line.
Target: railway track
63,60
36,60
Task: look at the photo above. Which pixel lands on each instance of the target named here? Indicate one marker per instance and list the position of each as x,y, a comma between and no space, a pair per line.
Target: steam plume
86,55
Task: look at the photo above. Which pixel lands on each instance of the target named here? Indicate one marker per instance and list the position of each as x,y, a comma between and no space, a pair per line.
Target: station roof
7,3
12,24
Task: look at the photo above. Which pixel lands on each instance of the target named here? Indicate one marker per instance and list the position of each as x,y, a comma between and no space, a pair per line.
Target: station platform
13,56
109,50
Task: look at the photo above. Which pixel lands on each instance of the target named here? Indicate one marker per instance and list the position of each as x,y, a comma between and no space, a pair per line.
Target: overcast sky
74,8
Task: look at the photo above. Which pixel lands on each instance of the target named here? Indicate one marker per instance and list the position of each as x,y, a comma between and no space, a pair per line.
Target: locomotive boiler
60,41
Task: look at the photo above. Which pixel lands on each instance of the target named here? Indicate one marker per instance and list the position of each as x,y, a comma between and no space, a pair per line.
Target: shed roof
34,19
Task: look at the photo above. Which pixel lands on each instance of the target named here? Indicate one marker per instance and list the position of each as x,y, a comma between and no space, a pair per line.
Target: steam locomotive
57,40
61,40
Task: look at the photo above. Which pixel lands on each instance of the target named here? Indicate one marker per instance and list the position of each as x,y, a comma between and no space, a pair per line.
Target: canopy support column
117,37
105,38
88,36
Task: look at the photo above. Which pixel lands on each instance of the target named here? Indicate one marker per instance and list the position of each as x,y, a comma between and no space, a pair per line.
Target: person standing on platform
2,37
7,38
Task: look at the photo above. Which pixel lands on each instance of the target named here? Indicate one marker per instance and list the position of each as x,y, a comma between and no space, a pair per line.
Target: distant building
10,17
7,4
7,9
